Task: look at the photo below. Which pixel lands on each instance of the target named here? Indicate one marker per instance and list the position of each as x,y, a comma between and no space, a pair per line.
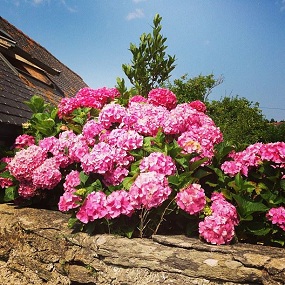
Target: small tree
196,88
240,120
150,66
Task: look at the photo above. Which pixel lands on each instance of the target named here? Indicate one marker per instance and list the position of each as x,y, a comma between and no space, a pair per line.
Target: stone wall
36,247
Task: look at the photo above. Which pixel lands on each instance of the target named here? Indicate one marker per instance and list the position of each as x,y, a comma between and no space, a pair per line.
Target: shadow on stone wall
36,247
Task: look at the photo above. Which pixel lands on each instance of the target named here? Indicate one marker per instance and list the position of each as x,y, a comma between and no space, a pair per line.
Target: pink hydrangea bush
143,161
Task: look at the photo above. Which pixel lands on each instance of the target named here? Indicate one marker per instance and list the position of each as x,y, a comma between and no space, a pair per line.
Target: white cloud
138,13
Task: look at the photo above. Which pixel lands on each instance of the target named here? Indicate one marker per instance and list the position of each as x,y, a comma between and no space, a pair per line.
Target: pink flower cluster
87,97
198,105
162,97
159,163
23,141
253,156
277,217
69,200
219,227
191,199
4,181
149,190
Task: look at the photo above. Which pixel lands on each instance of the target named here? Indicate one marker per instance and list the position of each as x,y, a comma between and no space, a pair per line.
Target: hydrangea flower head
23,141
159,163
149,190
191,199
162,97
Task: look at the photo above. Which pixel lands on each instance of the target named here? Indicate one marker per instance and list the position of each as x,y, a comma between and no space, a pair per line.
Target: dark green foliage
241,121
196,88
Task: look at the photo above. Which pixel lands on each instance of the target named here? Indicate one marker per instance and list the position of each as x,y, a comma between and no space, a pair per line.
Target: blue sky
242,40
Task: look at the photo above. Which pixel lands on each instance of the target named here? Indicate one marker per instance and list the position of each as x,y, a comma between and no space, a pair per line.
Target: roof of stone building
27,69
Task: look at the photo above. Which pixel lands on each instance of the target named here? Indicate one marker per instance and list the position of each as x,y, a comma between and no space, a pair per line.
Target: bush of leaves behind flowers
135,167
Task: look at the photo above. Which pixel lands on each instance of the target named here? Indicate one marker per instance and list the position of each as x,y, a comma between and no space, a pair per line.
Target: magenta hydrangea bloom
93,208
72,180
137,99
115,176
5,182
118,203
149,190
27,189
90,130
159,163
198,105
47,175
277,217
162,97
191,199
222,207
23,141
87,97
219,227
26,161
216,229
68,201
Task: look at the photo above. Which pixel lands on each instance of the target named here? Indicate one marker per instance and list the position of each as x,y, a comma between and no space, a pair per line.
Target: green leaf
72,221
11,194
258,229
246,207
282,184
194,165
128,181
83,177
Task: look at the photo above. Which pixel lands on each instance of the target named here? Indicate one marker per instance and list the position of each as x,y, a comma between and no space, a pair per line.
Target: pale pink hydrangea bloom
78,148
93,208
111,114
159,163
198,105
68,201
191,199
23,141
99,160
149,190
47,175
27,189
125,139
26,161
118,203
274,152
162,97
146,119
277,217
